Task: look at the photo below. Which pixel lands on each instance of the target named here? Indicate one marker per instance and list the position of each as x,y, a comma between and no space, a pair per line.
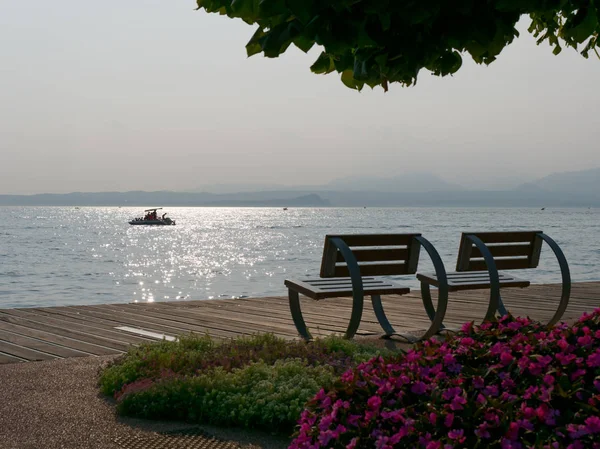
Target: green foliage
149,360
192,355
377,42
255,396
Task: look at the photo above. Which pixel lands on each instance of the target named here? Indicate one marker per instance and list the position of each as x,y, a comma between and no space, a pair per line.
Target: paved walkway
55,404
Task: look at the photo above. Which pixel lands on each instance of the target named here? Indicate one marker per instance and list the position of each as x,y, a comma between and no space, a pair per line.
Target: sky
117,95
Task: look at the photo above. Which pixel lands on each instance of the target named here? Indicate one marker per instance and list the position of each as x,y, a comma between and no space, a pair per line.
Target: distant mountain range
565,189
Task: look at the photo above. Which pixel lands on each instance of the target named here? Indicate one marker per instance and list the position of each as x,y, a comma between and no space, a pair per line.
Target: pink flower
467,341
592,424
352,444
457,434
506,358
432,419
419,388
374,402
449,420
593,361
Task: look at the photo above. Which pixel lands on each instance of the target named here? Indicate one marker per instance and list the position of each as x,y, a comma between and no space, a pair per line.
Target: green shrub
258,395
193,354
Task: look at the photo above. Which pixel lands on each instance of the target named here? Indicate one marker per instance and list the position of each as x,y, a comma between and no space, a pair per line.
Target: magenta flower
592,424
419,388
593,361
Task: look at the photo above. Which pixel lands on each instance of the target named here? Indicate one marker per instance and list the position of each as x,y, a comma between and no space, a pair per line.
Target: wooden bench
482,254
354,266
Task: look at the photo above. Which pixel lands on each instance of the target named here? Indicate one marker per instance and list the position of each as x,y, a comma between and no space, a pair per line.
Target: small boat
151,218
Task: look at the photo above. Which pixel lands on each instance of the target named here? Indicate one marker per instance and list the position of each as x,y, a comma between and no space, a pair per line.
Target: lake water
66,255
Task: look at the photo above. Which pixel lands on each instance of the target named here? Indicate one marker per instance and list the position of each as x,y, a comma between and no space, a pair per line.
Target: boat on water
151,218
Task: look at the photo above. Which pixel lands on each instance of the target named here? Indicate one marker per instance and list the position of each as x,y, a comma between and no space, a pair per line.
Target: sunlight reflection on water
63,255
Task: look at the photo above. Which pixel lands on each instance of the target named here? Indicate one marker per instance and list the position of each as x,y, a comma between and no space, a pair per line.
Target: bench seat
472,280
321,288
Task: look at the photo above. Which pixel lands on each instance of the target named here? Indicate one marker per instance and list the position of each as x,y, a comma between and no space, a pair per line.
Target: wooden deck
78,331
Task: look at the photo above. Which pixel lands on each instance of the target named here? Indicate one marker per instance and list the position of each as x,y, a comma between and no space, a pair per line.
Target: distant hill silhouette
576,182
568,189
409,182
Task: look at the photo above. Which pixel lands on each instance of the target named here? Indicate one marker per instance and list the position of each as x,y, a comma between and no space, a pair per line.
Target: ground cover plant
507,384
259,381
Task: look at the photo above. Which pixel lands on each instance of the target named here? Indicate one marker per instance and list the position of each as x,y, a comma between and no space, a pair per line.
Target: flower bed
259,381
510,384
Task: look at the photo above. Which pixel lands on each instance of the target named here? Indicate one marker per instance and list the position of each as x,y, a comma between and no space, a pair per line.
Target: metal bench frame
496,305
436,316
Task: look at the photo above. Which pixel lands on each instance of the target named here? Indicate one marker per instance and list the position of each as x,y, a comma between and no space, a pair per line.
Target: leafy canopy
377,42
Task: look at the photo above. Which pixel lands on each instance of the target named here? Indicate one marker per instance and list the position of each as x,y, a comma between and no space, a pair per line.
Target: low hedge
258,381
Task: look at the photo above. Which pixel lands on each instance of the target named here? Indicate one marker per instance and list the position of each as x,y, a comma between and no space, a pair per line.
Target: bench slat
375,239
501,264
511,250
376,255
466,281
504,250
375,269
506,237
343,288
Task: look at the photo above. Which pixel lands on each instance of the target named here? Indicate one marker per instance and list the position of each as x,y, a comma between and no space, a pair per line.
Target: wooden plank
62,313
135,319
504,250
502,264
145,318
64,322
505,237
5,359
116,346
21,352
387,269
59,340
376,254
374,239
242,319
232,319
38,345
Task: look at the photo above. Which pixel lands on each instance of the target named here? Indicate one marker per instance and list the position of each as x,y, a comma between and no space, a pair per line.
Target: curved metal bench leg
356,316
435,316
357,286
381,316
566,279
297,315
495,301
501,309
428,303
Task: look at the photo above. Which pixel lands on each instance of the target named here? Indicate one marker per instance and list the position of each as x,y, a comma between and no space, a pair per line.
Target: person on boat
163,216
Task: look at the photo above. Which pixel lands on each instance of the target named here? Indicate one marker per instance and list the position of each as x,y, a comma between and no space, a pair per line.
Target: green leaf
301,9
323,64
348,79
268,8
304,43
384,41
253,46
582,26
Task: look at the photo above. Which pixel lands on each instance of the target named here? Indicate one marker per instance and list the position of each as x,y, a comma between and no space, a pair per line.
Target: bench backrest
512,250
376,254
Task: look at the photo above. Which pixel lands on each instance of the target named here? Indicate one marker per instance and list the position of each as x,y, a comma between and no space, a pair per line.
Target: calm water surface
64,255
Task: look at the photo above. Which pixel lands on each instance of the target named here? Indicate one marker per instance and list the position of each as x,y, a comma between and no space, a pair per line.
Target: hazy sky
152,95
